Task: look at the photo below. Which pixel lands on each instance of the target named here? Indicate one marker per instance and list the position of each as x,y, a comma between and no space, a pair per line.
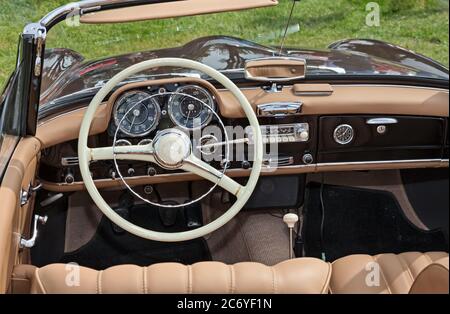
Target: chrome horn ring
164,159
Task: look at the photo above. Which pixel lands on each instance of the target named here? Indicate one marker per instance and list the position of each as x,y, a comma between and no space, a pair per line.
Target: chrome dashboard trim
279,108
382,120
357,163
352,85
267,171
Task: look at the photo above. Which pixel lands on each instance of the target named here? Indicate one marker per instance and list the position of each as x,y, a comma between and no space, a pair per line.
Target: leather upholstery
21,278
302,275
402,273
14,218
433,279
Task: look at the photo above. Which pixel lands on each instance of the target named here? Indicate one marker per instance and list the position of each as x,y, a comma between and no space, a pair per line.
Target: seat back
433,279
302,275
390,273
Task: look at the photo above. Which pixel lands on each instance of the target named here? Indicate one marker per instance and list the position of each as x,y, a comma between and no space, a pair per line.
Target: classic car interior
262,179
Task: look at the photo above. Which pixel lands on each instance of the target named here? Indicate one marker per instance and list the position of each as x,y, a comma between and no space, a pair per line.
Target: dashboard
139,112
312,131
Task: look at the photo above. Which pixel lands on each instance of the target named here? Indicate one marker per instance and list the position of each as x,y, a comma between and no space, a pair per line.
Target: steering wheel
161,152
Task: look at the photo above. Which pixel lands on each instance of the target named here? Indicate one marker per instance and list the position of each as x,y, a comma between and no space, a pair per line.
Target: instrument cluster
139,112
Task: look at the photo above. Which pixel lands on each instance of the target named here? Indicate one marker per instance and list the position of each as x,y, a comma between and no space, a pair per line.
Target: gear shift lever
290,220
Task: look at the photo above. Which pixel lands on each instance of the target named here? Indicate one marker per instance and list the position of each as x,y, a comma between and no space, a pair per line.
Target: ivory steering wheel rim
86,154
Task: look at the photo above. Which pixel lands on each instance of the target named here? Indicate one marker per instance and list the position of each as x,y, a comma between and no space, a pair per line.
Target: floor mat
107,248
360,221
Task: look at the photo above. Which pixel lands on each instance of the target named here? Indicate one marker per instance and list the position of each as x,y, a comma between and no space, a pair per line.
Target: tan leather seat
411,272
302,275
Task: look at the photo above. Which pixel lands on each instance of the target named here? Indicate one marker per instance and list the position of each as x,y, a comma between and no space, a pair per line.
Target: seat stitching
39,281
375,259
231,279
403,262
189,271
144,279
99,282
327,280
274,287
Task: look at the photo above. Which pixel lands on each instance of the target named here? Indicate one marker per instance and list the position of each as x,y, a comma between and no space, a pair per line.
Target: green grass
419,25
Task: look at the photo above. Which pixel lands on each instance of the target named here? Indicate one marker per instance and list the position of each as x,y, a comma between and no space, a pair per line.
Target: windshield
84,56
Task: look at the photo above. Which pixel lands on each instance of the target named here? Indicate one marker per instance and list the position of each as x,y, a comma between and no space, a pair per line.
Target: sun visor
172,9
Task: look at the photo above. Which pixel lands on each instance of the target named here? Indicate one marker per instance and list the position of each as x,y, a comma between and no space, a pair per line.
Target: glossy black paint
225,53
387,51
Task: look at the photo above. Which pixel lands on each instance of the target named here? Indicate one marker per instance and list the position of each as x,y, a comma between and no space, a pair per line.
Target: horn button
171,147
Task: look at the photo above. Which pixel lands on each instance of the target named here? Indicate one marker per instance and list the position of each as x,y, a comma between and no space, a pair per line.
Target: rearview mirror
275,69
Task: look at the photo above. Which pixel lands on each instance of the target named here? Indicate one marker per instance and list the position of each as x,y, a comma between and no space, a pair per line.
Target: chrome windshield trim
83,6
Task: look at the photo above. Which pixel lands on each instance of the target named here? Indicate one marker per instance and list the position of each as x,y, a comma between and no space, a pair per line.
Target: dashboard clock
343,134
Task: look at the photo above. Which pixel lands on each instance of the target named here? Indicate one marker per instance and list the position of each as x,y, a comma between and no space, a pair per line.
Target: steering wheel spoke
172,151
199,167
133,152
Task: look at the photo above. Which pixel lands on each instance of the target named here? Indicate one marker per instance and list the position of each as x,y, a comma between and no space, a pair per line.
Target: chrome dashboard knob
69,178
307,159
151,171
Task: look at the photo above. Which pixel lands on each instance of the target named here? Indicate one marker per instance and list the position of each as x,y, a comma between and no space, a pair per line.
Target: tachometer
136,113
187,108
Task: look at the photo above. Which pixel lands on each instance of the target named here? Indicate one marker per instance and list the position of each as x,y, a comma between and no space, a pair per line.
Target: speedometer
191,107
136,113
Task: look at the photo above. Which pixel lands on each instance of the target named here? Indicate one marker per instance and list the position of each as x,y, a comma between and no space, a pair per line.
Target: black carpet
360,221
49,246
109,248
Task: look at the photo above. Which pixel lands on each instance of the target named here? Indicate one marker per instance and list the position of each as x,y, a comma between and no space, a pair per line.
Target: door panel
14,219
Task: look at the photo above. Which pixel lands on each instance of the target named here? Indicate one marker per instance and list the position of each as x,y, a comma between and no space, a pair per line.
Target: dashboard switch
131,171
304,136
69,178
112,173
245,164
151,171
307,159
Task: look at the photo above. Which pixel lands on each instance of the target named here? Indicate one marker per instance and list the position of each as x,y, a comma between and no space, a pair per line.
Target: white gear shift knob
290,220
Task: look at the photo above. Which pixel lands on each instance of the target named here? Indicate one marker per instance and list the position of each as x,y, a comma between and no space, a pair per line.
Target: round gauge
136,114
343,134
187,108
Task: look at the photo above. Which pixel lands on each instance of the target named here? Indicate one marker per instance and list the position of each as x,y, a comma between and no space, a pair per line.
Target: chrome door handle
378,121
27,244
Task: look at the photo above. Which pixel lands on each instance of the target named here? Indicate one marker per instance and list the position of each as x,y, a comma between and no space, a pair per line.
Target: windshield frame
60,14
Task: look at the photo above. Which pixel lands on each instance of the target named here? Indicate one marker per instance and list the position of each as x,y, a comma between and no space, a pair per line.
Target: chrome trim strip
311,168
352,85
383,120
393,86
381,162
279,108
